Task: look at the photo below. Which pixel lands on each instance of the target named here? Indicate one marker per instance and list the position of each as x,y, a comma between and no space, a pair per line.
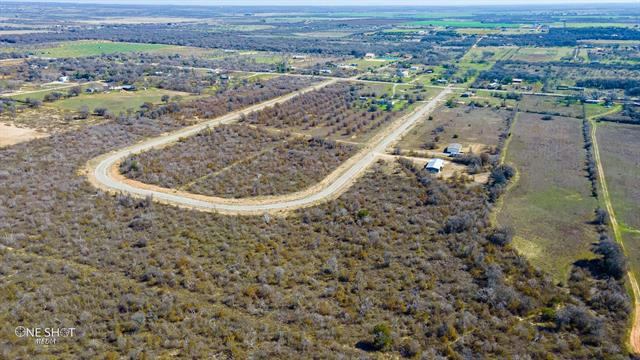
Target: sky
345,2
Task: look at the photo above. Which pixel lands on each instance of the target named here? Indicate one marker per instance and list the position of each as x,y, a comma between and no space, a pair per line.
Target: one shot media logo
45,335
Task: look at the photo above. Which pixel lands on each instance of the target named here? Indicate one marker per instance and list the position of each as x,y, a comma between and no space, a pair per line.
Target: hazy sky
347,2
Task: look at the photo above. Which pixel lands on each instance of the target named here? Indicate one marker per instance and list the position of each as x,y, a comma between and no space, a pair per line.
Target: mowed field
474,128
116,100
92,47
550,204
620,155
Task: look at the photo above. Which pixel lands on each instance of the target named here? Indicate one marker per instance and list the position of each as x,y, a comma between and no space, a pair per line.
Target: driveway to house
103,170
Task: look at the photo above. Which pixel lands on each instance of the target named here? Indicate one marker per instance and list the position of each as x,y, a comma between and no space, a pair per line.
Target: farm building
516,81
453,149
370,56
434,166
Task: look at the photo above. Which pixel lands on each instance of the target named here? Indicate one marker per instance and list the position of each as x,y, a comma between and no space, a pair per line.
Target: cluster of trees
590,164
631,87
341,109
505,71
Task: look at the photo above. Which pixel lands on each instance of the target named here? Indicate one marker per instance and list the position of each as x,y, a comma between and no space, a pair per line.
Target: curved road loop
102,171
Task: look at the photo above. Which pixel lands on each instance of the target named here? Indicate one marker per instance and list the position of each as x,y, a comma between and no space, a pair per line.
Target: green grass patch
40,94
91,47
597,109
116,101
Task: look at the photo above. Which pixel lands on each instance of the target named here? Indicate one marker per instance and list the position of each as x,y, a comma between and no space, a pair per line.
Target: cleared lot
10,135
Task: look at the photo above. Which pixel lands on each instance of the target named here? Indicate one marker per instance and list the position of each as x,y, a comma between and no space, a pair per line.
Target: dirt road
102,173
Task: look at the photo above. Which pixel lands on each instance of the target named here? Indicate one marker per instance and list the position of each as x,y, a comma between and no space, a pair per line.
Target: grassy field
550,105
116,101
619,149
551,189
364,64
475,129
92,47
597,109
40,94
541,54
461,24
479,59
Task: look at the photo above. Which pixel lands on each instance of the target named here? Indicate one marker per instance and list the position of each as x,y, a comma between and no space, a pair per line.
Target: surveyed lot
550,205
619,149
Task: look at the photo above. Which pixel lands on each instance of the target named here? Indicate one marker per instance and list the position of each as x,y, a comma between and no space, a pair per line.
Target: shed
516,81
453,149
370,56
434,166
